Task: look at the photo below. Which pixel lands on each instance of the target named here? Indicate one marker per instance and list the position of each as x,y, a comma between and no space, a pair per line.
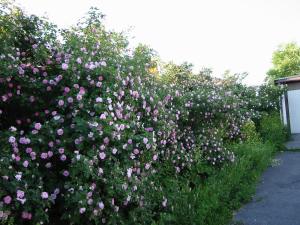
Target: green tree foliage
286,61
176,74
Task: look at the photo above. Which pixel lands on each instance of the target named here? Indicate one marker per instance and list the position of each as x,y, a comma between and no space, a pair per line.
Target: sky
235,35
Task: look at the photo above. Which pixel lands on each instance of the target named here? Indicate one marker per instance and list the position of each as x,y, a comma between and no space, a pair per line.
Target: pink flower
102,116
28,150
61,150
99,99
149,129
78,60
66,173
145,140
147,166
101,205
70,100
82,210
106,140
61,103
60,132
12,139
102,155
63,158
50,154
114,151
44,195
37,126
129,172
25,163
20,194
64,66
51,144
67,89
7,199
44,155
24,215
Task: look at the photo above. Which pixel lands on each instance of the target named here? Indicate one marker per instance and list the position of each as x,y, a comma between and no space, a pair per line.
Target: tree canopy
286,61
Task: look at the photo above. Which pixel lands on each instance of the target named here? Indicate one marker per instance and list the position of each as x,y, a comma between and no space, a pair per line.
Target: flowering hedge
85,129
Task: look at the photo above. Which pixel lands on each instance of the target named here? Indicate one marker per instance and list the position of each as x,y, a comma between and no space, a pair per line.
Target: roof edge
288,80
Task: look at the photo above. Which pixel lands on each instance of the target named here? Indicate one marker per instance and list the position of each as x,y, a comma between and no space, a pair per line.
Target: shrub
89,136
272,130
249,132
212,202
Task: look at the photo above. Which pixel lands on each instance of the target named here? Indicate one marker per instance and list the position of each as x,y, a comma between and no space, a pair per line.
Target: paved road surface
277,199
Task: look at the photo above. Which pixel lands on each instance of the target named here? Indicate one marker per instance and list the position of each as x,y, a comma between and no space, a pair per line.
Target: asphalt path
277,198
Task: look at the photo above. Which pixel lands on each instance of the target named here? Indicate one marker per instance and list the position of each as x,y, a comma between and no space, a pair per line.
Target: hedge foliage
89,134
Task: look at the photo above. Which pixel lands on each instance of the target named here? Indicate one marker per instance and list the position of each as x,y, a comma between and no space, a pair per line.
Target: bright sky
239,35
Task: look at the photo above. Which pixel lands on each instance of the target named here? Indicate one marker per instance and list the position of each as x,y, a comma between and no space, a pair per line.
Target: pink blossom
61,150
106,140
145,140
12,139
102,116
44,155
78,60
147,166
61,103
67,89
20,194
64,66
7,199
129,172
37,126
28,150
51,144
25,163
101,205
98,99
66,173
149,129
26,215
63,157
44,195
60,132
50,154
82,210
79,97
70,99
114,151
102,155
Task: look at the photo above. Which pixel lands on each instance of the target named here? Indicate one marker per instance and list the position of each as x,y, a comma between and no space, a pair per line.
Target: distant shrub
249,132
272,129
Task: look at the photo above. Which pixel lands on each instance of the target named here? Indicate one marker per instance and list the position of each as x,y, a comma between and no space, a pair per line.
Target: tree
176,74
286,61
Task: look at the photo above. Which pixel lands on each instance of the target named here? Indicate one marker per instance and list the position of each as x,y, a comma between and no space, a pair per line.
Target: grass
214,201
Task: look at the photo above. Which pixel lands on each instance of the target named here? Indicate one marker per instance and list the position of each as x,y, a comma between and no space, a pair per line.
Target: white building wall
294,110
